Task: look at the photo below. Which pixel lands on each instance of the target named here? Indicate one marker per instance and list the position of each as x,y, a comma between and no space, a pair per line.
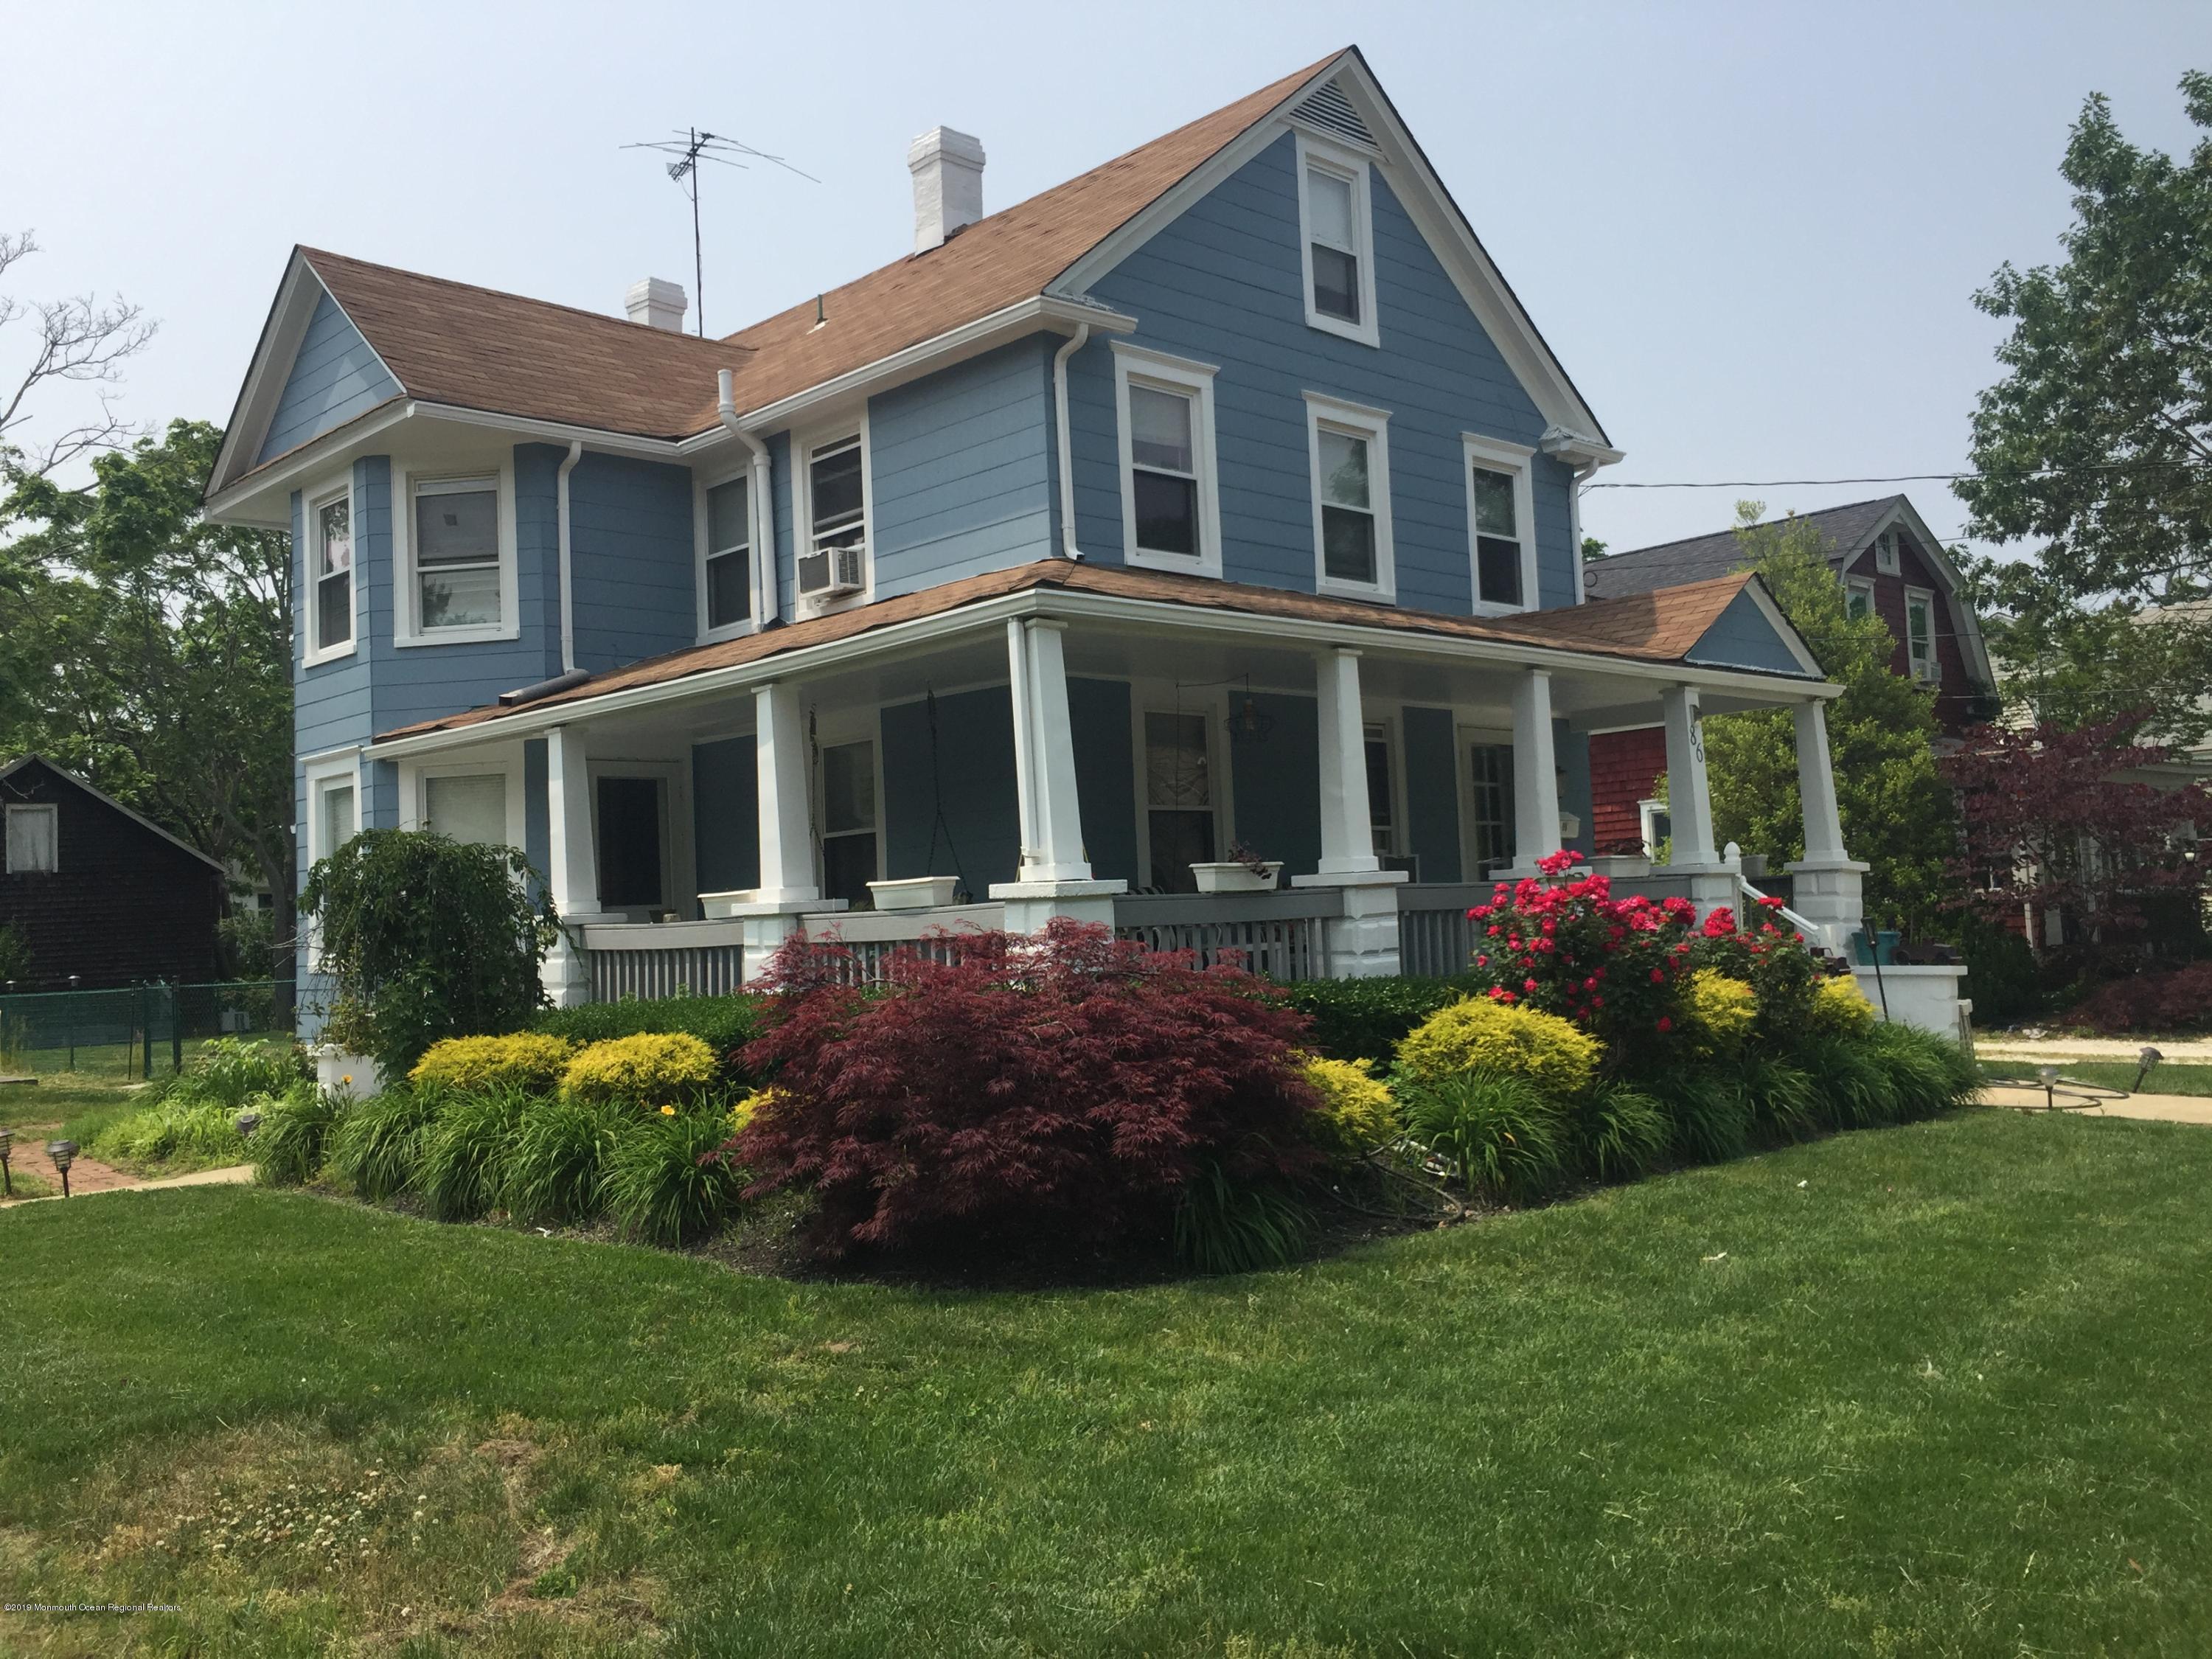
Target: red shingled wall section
1625,766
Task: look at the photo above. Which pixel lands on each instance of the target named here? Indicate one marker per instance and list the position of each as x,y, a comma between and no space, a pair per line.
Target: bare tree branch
78,339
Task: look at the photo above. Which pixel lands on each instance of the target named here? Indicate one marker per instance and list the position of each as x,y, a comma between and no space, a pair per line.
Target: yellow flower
668,1111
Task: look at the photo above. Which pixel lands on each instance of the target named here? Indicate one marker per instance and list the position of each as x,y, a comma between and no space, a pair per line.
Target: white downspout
568,591
765,588
1574,528
1068,550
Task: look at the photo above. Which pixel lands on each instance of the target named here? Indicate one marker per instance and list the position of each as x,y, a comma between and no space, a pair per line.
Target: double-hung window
1501,529
34,838
833,553
1171,509
728,573
459,581
1338,240
1858,596
1920,634
1884,554
469,806
331,566
1350,455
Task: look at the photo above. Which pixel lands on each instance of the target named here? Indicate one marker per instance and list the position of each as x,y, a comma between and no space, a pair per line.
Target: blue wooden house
1191,548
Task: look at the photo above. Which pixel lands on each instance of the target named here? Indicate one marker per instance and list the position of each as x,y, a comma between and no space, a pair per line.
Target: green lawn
2164,1079
1941,1390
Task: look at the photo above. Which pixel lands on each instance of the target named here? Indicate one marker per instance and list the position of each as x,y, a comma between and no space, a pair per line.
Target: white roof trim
107,800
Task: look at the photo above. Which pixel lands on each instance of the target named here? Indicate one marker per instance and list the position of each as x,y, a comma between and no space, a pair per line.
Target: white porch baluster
1363,942
1829,888
1535,773
1054,878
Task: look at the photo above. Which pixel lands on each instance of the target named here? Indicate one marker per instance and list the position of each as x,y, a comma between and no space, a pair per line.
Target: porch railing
647,960
1435,937
872,935
1281,935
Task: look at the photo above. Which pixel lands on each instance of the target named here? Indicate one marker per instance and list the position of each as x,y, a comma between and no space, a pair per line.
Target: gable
334,376
1747,634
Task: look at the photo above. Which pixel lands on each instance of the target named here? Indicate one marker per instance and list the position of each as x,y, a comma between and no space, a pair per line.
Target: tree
2142,669
1896,813
1592,549
2049,825
151,650
2100,437
77,340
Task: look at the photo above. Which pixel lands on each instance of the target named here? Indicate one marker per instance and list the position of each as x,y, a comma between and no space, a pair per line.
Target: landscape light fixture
7,1182
2146,1058
64,1153
246,1123
2049,1077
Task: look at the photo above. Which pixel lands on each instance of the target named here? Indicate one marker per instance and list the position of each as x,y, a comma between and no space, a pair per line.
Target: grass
2164,1079
1938,1390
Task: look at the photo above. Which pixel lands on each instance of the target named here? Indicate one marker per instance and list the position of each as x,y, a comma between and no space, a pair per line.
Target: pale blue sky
1751,232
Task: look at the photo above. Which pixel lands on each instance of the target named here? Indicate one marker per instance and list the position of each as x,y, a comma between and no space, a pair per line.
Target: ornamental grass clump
1061,1092
295,1131
376,1148
556,1157
234,1072
667,1180
1504,1136
464,1162
531,1062
647,1072
1357,1114
1616,1132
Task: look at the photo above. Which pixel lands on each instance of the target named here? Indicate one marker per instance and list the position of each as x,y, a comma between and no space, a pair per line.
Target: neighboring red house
1888,560
102,896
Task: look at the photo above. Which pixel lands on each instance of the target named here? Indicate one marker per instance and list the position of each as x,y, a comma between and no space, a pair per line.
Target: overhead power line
1898,477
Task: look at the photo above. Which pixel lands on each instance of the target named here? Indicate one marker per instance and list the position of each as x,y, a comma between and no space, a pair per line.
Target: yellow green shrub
649,1070
527,1059
1482,1036
1839,1009
1358,1112
1720,1010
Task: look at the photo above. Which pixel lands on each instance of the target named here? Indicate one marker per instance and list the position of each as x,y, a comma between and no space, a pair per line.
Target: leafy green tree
1592,549
151,650
2149,669
1897,812
2099,440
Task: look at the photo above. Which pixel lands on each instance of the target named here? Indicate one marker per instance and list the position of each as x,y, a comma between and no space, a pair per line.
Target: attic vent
1331,111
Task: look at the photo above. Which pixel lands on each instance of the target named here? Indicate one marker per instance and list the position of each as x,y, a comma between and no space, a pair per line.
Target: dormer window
1337,230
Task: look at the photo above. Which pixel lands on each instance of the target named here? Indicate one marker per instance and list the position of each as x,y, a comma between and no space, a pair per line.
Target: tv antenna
692,148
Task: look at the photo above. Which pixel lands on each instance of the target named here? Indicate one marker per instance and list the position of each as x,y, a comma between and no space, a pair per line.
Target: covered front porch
1322,785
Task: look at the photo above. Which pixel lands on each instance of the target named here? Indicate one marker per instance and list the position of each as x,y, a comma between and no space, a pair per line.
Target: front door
632,847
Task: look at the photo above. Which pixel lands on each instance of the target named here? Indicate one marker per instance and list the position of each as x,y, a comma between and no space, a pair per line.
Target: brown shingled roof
1659,627
453,342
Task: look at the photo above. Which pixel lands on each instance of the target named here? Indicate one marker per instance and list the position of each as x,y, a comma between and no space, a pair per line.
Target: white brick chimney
948,184
658,303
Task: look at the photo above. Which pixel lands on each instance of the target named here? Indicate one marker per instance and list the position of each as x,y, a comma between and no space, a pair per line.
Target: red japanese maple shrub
1570,948
2177,999
1054,1092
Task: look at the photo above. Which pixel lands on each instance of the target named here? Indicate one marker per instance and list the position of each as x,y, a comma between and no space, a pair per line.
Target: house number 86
1697,741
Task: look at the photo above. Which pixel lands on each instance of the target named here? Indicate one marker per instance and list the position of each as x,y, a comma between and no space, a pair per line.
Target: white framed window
1180,798
834,530
1501,524
34,838
333,805
1858,596
1385,818
479,799
455,548
1884,554
849,787
330,576
1336,240
724,516
1349,450
1656,826
1170,495
1920,634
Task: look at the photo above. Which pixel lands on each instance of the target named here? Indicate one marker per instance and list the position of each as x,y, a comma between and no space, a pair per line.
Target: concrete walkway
104,1179
2162,1108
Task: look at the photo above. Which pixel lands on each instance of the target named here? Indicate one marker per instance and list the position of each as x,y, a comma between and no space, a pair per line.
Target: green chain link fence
137,1031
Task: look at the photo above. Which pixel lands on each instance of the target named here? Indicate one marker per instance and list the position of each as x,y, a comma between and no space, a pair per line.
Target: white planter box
1621,866
354,1076
915,893
1234,878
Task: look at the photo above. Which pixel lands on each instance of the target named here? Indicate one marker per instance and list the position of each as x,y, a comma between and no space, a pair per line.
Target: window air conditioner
829,571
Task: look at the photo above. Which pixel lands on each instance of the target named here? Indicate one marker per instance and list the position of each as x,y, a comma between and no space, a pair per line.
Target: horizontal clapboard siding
334,376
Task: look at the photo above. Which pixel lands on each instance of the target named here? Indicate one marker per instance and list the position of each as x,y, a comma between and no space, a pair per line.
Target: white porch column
1689,798
574,878
787,892
1054,878
1535,773
1363,942
1829,888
